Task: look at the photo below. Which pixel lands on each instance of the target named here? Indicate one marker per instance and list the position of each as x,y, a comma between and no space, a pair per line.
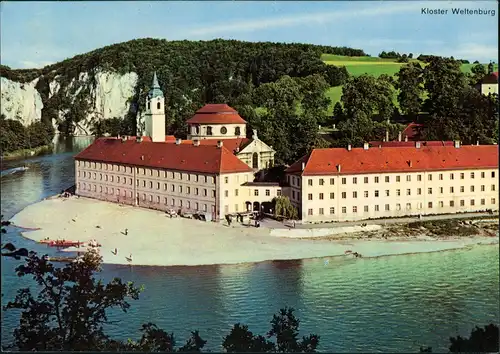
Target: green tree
481,340
338,112
284,208
410,84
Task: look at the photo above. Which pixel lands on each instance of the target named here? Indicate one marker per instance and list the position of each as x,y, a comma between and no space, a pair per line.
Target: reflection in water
390,304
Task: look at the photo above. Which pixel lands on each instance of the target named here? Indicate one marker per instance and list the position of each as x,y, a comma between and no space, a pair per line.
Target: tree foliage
410,84
284,208
14,136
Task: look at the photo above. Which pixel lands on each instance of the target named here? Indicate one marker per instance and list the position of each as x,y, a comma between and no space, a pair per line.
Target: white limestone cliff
20,101
110,95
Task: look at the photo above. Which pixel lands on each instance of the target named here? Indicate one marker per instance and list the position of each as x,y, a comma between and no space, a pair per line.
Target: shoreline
24,153
153,239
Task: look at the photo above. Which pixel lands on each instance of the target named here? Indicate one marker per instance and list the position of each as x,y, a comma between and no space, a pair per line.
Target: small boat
65,244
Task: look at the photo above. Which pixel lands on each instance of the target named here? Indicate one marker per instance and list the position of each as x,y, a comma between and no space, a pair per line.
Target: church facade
212,172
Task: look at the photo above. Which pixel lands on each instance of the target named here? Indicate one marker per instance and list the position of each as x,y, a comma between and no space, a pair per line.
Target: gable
256,145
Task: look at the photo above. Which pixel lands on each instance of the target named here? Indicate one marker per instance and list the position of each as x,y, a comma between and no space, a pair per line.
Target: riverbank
24,153
152,238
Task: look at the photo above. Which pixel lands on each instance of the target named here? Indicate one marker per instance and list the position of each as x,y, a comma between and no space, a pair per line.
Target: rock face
21,101
108,95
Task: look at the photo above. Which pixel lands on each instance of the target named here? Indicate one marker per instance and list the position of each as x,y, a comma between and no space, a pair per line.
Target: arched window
237,131
149,105
158,105
209,130
197,130
255,160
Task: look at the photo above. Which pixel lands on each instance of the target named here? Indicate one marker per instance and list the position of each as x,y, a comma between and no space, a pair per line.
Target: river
387,304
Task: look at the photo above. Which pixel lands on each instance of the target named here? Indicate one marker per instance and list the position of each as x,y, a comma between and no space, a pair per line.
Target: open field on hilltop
357,66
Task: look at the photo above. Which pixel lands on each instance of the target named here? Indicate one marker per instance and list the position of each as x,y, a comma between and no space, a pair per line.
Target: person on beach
126,232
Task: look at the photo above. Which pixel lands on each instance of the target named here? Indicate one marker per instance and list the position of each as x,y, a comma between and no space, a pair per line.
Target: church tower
155,113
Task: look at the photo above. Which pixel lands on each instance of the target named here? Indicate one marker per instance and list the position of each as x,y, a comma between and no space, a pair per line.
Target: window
321,211
419,191
196,206
332,210
376,193
365,194
492,174
237,131
204,207
441,204
452,176
493,200
472,202
452,203
429,177
462,175
344,195
100,176
429,190
332,181
387,207
398,178
472,175
483,201
376,208
354,194
310,196
344,180
235,207
462,189
492,187
236,192
482,188
204,192
223,130
387,179
419,178
462,203
321,196
365,208
386,192
344,210
209,130
157,185
310,181
429,205
366,180
321,181
332,195
408,206
482,174
354,180
150,184
452,190
408,192
441,190
180,191
398,206
158,199
440,176
408,178
226,194
472,188
309,212
196,191
354,209
268,192
398,192
293,194
226,179
376,179
278,192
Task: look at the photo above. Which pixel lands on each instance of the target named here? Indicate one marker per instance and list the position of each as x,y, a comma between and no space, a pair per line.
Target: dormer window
223,130
209,130
237,131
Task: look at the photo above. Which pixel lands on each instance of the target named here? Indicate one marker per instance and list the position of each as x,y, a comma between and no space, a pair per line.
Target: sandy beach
155,239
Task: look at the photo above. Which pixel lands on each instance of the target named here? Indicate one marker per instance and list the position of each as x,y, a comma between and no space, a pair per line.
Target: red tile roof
230,144
396,159
216,114
183,157
410,143
412,131
490,78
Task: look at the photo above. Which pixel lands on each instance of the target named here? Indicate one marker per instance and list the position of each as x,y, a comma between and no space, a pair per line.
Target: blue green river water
387,304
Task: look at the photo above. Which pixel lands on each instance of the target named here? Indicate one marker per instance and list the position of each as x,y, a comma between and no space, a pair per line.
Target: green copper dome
155,89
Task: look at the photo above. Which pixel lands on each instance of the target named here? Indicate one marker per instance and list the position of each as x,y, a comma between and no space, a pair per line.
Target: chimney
142,157
303,166
220,143
477,143
457,144
399,136
196,142
366,146
238,149
417,144
386,135
409,163
178,141
406,138
338,168
138,139
349,147
124,138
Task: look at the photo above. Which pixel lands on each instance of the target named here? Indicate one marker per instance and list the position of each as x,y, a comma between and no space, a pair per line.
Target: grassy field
375,66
